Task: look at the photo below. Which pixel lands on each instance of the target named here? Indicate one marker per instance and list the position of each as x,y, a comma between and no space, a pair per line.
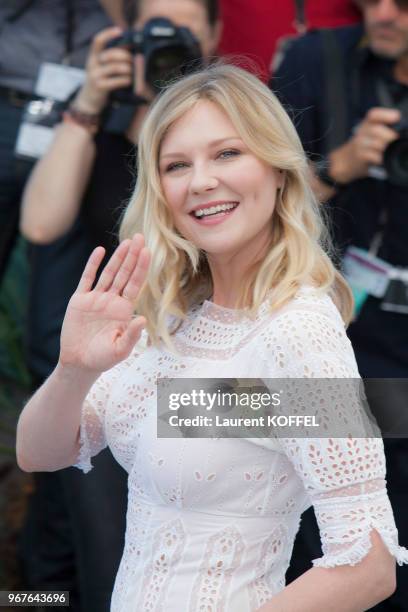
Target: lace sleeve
91,434
345,480
92,429
344,477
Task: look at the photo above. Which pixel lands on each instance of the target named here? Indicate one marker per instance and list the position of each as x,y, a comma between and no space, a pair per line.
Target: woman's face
221,195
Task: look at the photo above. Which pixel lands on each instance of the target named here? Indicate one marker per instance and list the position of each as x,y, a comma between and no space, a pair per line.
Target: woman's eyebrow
213,143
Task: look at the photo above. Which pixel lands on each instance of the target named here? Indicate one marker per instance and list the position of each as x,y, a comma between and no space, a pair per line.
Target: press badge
55,84
366,275
366,271
37,128
58,81
396,296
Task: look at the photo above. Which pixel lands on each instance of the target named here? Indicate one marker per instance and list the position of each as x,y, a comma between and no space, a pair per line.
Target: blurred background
65,139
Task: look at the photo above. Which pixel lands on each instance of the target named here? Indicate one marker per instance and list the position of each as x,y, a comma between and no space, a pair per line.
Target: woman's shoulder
311,303
307,329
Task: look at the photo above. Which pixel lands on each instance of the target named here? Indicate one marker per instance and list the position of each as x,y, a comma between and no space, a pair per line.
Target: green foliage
13,300
14,376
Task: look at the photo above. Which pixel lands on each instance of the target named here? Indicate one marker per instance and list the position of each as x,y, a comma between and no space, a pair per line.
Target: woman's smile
214,212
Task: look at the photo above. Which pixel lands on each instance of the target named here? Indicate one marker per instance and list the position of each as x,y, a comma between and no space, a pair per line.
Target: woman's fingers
113,266
126,342
126,269
91,268
138,276
128,265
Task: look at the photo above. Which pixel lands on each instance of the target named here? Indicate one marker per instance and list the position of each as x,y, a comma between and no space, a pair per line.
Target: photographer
69,27
349,90
88,167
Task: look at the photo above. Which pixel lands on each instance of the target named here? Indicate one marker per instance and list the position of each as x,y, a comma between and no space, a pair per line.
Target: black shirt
109,189
56,268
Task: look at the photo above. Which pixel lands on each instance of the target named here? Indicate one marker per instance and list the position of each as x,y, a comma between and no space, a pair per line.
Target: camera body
168,51
396,156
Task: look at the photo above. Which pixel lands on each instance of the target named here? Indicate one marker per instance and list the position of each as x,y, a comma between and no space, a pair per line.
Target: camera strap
335,86
129,12
69,31
58,81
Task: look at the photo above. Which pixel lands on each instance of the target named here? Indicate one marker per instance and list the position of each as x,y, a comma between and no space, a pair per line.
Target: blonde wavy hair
299,249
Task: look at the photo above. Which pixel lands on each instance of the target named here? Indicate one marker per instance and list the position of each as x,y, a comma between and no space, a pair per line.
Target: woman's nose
202,180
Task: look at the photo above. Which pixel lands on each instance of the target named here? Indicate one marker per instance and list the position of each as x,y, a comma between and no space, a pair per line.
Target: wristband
89,121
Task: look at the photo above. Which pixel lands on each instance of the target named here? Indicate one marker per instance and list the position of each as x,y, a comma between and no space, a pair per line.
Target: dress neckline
222,314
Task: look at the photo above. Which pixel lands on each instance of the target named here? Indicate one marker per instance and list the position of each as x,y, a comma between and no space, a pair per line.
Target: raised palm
99,328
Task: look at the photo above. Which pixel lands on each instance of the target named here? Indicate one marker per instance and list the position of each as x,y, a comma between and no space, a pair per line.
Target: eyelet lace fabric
211,522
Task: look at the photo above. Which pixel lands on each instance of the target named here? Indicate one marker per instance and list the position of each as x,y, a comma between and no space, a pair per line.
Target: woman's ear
281,179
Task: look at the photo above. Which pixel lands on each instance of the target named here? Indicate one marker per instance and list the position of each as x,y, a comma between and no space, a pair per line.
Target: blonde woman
233,281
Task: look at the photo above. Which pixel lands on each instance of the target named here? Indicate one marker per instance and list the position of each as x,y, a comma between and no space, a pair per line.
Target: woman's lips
215,218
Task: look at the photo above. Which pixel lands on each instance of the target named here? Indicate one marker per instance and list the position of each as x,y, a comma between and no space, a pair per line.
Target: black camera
396,156
169,51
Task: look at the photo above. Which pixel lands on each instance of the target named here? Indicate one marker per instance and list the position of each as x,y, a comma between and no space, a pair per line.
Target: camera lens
164,64
170,62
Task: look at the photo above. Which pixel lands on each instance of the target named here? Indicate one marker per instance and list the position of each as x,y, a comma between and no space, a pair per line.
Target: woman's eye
229,153
175,166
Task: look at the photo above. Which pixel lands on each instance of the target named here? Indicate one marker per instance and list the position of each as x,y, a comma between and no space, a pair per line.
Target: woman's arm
343,588
55,189
98,333
48,428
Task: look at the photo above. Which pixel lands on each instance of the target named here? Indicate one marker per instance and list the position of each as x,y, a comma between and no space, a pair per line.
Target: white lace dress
211,522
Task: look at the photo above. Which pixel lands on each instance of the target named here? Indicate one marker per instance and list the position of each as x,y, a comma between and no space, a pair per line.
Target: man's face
386,26
183,13
188,13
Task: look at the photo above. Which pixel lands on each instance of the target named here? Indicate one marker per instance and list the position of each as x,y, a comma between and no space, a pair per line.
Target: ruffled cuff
91,435
347,520
354,553
84,456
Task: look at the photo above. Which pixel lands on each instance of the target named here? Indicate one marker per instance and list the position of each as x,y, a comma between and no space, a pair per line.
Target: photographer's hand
365,148
106,70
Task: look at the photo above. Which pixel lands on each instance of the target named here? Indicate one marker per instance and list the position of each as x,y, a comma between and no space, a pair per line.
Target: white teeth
202,212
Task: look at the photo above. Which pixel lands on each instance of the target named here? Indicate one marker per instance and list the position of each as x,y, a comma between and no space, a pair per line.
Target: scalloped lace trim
361,548
84,456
